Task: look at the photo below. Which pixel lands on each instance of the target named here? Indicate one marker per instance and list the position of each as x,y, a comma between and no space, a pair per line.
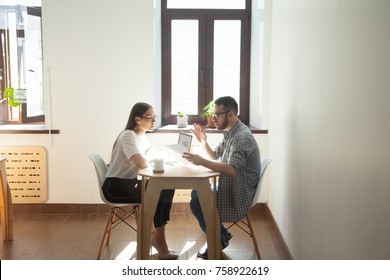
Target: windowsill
27,129
173,128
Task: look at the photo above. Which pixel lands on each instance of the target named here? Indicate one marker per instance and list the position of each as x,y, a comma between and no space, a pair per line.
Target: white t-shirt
127,144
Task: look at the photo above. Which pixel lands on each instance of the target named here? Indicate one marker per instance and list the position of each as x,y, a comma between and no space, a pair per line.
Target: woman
128,157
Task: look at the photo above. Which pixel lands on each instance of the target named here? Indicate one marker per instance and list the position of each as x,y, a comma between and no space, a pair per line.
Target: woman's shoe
163,256
169,256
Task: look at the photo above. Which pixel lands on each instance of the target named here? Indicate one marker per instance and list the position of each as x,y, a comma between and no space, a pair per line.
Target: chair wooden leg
112,221
136,213
6,211
4,222
107,230
253,236
10,227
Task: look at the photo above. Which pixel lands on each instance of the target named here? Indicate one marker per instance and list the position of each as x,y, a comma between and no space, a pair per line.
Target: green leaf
208,110
8,93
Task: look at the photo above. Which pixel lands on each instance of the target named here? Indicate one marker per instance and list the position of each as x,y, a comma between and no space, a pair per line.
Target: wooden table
5,203
178,177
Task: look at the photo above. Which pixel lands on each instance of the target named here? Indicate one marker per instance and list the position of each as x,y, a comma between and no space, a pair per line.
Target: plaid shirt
239,149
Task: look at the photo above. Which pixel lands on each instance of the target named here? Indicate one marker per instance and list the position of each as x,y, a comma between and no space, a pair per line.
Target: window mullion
209,35
203,66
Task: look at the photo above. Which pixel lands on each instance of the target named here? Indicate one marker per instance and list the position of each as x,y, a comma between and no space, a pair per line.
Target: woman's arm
139,161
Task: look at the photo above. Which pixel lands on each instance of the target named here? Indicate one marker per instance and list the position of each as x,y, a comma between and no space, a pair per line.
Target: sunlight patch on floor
187,246
128,252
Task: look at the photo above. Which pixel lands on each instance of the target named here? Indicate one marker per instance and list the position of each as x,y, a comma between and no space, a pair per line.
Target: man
238,162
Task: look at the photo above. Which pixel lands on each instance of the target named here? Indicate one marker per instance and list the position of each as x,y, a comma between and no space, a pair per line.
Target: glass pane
206,4
227,38
14,44
22,50
34,64
185,66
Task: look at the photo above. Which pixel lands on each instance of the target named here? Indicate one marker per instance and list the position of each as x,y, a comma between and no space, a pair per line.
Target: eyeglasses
216,115
150,118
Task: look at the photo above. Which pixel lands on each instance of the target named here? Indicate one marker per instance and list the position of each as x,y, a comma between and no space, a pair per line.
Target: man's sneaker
224,245
204,254
228,236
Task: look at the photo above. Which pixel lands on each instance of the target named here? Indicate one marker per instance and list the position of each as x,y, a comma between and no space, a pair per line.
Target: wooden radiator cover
26,173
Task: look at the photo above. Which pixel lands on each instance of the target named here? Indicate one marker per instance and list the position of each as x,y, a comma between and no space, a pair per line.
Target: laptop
183,144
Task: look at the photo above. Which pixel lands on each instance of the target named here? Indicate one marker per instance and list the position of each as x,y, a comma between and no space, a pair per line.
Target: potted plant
14,97
182,120
208,112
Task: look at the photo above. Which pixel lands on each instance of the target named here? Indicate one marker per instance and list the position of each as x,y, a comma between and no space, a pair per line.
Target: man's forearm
223,168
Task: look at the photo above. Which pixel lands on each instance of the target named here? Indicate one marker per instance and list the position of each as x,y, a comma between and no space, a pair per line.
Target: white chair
247,220
118,212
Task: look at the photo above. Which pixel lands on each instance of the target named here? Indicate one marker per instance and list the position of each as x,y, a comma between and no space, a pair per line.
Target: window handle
201,75
210,74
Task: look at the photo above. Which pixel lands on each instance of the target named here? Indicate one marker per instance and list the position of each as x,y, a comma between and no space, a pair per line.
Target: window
21,63
205,55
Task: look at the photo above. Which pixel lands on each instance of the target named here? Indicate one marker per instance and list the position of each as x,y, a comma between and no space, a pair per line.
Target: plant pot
182,122
210,122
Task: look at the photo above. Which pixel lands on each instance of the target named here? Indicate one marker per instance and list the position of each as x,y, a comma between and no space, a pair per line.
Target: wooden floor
47,236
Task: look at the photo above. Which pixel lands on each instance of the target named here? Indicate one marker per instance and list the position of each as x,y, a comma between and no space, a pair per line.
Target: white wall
329,127
98,61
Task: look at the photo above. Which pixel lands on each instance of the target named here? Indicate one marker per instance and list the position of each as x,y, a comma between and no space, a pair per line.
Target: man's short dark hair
229,104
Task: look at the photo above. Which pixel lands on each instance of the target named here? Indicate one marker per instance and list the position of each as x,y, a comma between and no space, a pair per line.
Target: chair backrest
100,167
101,171
264,164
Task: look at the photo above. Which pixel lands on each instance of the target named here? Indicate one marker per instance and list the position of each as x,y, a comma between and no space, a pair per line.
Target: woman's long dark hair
138,110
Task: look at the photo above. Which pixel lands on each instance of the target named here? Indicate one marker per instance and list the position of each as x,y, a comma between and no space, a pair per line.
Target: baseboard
275,228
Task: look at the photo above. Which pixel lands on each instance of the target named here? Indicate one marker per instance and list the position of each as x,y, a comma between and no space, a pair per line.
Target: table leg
206,199
145,222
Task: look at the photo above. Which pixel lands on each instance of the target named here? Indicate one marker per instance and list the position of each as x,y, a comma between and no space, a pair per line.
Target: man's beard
223,125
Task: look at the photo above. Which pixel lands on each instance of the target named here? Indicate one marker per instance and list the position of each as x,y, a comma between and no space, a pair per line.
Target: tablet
183,144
